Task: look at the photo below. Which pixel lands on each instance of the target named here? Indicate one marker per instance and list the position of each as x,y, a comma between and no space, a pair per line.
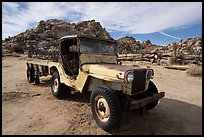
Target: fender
64,78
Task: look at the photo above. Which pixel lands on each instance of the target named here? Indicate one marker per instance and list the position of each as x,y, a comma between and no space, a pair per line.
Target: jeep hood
108,71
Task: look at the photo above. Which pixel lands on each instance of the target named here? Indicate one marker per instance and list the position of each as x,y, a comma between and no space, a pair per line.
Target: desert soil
32,110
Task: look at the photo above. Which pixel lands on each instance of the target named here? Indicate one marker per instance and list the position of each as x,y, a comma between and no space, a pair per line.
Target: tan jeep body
98,70
91,64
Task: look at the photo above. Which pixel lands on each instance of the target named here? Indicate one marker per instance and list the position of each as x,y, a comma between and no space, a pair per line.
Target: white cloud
126,17
170,35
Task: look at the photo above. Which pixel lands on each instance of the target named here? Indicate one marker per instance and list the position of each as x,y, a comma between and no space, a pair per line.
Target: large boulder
48,32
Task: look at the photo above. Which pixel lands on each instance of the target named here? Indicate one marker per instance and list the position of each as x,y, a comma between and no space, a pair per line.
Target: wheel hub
102,109
55,85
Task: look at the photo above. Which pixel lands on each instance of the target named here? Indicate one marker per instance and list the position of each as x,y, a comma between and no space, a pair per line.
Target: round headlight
129,76
149,74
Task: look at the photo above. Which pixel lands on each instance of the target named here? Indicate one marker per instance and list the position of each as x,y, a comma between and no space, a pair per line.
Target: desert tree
174,48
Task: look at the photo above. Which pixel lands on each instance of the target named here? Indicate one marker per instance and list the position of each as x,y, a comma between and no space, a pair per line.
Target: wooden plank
39,62
178,67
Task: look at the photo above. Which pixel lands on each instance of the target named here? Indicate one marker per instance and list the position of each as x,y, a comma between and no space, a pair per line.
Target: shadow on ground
44,83
170,117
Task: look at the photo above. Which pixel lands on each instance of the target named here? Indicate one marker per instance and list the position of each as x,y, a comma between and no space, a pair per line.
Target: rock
198,43
190,43
146,42
42,41
42,45
36,94
154,51
51,30
128,44
14,54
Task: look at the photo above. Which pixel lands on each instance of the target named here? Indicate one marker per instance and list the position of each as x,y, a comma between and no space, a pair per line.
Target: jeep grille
139,81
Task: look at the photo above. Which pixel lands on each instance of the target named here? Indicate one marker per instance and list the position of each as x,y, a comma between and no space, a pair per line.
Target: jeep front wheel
58,89
152,89
105,108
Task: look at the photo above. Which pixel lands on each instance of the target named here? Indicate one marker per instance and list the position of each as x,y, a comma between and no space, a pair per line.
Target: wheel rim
55,85
102,108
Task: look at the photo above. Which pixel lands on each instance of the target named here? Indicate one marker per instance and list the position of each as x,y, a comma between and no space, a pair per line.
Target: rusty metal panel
144,101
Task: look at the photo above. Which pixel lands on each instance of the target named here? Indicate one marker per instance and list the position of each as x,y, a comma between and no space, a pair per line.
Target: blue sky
160,22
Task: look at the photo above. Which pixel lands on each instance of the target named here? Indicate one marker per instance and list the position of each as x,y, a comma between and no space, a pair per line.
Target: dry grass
195,70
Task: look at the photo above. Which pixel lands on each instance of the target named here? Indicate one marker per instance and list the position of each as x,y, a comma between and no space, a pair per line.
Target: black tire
30,75
58,89
152,89
37,80
112,101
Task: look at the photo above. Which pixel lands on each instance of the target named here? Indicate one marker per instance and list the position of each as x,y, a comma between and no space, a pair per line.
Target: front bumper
135,104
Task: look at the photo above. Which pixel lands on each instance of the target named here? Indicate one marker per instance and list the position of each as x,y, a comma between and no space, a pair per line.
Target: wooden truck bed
39,67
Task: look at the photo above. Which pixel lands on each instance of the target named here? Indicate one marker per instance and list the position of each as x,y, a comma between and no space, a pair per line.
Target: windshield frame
110,43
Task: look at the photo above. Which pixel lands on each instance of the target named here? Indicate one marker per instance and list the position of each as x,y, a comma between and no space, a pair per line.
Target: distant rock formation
130,45
42,41
188,51
191,46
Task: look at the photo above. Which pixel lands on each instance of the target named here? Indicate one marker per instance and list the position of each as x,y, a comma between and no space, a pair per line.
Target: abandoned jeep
91,64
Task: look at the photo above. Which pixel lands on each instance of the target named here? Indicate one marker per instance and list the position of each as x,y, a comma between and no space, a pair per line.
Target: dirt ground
31,109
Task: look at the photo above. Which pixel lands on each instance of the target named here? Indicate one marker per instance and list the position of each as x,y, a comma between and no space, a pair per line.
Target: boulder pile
42,42
188,51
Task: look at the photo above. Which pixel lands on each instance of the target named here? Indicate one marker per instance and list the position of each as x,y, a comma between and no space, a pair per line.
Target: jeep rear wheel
105,108
152,89
37,79
58,89
30,75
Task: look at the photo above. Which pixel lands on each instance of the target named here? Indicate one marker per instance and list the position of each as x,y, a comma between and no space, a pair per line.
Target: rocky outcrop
188,51
42,41
44,38
190,46
130,45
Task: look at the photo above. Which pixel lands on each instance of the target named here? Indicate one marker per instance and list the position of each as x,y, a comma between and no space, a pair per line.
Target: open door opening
69,53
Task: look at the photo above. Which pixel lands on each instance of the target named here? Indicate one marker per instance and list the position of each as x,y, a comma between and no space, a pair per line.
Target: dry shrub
195,70
14,54
17,49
